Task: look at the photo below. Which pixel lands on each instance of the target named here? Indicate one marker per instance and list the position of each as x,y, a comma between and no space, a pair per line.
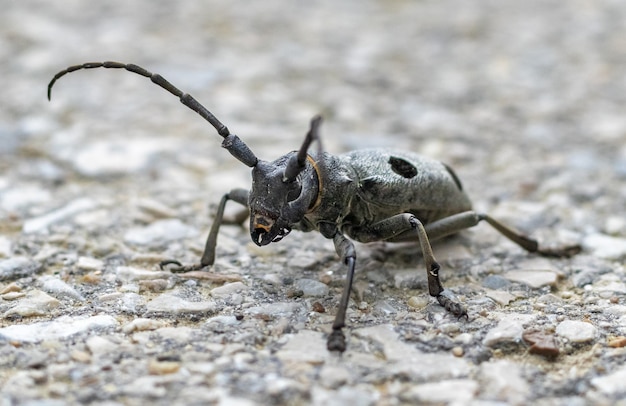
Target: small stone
18,267
35,303
541,343
418,302
501,297
155,208
495,282
153,285
12,295
142,324
269,311
616,342
59,289
11,288
81,356
163,367
5,246
576,331
612,384
228,289
130,274
160,232
318,307
89,264
509,330
41,223
452,391
457,351
334,376
311,287
210,276
100,346
503,380
92,278
605,246
306,346
534,279
172,304
61,328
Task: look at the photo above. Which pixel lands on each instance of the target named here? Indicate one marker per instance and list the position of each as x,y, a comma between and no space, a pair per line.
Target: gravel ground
524,99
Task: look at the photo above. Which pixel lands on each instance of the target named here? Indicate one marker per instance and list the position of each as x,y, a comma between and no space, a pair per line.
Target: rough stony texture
524,99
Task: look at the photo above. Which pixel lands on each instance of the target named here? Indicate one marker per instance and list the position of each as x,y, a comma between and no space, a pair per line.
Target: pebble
130,274
306,346
451,391
18,267
141,324
576,331
613,383
229,289
163,367
34,303
61,328
503,380
311,287
59,289
5,246
606,246
533,278
404,360
42,223
160,232
418,302
275,310
100,346
168,303
508,330
89,264
541,343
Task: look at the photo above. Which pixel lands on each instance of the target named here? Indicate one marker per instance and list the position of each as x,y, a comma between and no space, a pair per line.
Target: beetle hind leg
407,227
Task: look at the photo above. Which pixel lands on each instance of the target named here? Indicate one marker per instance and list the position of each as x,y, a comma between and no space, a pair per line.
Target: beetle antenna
231,142
297,162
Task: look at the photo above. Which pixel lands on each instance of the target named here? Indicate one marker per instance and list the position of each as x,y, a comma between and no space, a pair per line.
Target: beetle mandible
365,195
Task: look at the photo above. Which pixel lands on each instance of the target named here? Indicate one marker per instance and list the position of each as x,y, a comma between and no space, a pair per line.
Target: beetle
364,195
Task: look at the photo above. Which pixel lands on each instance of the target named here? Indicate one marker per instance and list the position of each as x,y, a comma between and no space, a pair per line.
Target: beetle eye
293,194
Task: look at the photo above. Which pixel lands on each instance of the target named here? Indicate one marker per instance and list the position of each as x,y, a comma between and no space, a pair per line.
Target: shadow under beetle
366,195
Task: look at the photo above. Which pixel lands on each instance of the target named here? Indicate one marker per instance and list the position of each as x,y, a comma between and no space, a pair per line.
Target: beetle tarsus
336,341
449,301
178,267
560,252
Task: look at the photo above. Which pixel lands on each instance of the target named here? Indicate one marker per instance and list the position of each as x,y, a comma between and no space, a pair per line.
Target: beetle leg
404,227
208,256
345,250
461,221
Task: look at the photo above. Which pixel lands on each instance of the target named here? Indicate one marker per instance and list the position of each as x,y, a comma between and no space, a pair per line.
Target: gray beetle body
377,184
368,195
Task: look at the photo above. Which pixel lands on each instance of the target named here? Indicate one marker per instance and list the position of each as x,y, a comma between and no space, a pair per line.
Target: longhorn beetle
366,195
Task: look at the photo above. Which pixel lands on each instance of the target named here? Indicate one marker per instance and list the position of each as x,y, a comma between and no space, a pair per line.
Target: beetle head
282,192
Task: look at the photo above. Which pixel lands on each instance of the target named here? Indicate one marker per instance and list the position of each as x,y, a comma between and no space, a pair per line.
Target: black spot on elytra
402,167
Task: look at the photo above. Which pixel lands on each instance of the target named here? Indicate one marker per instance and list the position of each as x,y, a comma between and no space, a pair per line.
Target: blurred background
524,99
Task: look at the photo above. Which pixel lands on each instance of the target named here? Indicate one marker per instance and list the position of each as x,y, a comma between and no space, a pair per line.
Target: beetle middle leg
208,256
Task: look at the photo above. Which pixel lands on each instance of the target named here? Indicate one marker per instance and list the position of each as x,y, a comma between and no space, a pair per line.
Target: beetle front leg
345,250
208,256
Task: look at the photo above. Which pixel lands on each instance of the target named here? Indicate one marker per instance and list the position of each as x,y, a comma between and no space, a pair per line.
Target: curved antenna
231,142
297,162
